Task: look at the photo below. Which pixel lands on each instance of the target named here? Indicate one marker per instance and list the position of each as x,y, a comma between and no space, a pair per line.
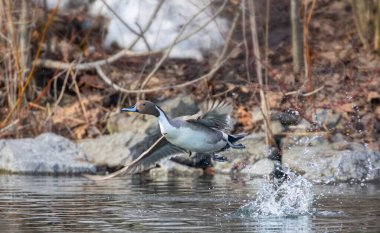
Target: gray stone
326,117
276,127
260,168
169,167
257,115
324,164
251,160
110,150
45,154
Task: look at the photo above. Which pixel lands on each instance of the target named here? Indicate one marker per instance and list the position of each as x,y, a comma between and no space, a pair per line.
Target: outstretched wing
213,114
159,150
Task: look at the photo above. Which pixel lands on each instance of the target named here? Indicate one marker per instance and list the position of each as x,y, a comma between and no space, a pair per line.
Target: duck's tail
231,139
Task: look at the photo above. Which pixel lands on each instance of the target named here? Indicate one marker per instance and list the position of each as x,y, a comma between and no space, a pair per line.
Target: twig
303,133
266,56
10,125
121,89
155,12
358,23
34,65
125,24
63,88
46,88
224,92
227,42
244,23
80,99
158,65
52,64
92,65
304,94
255,42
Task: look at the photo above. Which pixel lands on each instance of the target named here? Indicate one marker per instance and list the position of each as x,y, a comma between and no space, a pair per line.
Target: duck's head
143,107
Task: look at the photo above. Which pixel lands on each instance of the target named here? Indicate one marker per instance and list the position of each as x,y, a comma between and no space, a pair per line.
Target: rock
45,154
260,168
249,160
276,127
110,150
324,164
257,115
326,117
288,117
169,167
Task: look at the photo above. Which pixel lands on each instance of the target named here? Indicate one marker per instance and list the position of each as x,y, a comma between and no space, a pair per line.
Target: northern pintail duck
204,132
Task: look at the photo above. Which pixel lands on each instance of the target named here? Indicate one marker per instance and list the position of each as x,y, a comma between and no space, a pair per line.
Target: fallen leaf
274,99
373,95
91,81
348,107
80,131
245,118
377,112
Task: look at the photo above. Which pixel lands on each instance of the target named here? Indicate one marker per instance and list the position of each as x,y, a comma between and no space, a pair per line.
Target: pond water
184,204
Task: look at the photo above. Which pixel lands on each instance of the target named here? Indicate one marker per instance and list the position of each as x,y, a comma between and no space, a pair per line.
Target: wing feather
214,114
159,150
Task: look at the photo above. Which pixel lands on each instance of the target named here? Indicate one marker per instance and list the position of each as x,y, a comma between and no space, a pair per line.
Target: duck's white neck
164,122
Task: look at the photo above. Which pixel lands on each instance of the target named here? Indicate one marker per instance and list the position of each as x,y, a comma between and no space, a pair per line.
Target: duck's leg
219,158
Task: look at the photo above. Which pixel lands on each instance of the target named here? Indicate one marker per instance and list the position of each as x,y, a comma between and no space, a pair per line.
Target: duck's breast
195,137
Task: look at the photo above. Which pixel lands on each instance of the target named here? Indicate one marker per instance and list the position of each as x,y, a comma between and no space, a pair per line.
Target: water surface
187,204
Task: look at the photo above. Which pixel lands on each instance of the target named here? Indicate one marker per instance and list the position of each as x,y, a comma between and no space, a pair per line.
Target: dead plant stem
257,55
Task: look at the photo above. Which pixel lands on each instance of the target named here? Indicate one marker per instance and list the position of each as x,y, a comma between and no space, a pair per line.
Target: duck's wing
159,150
213,114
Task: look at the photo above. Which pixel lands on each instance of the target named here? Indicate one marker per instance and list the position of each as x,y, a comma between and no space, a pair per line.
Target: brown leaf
377,112
244,89
373,95
72,114
80,131
245,118
91,81
274,99
348,107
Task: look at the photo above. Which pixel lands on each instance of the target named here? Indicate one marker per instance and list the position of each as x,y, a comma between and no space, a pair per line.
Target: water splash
294,197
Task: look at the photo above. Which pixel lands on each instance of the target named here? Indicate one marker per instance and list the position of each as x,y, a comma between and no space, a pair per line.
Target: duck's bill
131,109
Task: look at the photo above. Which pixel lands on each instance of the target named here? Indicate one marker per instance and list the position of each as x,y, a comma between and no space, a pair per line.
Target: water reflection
162,204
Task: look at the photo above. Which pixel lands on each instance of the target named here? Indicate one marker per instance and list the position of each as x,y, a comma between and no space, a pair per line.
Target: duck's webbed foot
237,146
219,158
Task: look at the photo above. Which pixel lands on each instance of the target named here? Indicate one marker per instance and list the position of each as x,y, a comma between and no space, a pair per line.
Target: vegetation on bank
56,76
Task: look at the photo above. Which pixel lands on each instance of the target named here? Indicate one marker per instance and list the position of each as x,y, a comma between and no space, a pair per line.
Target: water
184,204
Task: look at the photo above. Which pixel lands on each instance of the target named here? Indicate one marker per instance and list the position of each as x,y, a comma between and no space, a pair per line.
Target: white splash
294,197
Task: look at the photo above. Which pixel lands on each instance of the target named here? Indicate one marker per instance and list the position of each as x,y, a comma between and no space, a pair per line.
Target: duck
204,132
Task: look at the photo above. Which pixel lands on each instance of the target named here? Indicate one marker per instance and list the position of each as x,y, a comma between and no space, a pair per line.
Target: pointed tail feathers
234,138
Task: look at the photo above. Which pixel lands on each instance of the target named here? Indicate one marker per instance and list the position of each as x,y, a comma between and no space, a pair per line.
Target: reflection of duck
202,133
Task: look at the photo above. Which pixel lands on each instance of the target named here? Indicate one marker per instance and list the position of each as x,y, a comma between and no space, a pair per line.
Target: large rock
324,163
45,154
110,150
252,160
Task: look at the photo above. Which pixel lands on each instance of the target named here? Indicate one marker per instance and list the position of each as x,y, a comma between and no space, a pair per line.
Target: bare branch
92,65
